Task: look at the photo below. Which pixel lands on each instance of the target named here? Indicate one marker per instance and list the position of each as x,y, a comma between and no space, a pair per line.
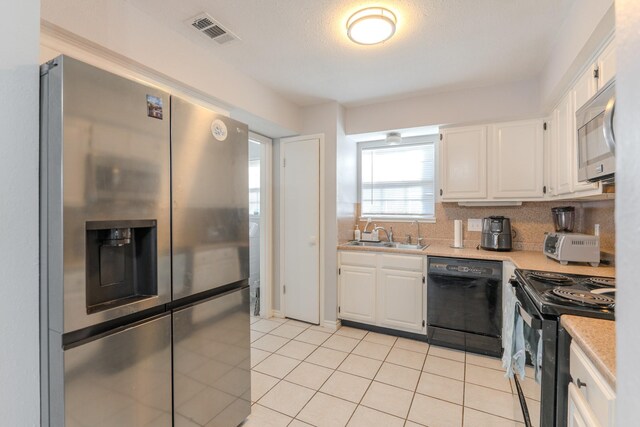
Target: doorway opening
260,225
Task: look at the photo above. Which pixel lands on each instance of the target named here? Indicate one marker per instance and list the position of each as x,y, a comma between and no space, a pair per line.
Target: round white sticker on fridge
219,130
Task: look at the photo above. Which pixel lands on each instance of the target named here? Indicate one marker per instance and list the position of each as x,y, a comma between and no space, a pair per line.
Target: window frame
408,141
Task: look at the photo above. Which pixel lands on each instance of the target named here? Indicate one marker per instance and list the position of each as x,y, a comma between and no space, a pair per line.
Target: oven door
538,400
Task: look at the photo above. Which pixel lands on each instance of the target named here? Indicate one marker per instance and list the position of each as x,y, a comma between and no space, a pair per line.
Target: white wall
324,118
317,119
627,208
19,324
502,102
120,32
583,31
346,180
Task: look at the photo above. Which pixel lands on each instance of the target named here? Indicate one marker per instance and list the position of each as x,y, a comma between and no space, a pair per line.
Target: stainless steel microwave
596,136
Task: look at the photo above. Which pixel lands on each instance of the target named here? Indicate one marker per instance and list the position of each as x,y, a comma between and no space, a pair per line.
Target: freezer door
105,151
212,372
210,182
122,379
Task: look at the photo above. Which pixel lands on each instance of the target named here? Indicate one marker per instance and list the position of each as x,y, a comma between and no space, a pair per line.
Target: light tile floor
306,375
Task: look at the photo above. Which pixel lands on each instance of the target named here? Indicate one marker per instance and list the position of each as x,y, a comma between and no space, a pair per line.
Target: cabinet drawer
598,394
402,262
358,258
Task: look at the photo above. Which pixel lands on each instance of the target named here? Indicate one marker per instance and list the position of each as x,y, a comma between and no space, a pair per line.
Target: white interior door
300,228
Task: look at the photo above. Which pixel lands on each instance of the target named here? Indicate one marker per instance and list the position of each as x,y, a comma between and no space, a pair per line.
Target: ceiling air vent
208,26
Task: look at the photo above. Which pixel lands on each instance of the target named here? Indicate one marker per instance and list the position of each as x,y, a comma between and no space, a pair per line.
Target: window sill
424,219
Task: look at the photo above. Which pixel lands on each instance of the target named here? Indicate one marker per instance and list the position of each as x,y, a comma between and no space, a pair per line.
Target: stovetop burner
555,294
547,275
583,297
603,281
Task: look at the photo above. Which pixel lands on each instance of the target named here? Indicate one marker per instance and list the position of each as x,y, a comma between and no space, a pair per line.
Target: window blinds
398,180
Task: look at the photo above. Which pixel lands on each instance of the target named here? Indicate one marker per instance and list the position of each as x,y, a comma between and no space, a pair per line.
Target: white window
397,181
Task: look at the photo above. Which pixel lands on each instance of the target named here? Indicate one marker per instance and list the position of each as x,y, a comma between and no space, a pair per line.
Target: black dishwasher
464,304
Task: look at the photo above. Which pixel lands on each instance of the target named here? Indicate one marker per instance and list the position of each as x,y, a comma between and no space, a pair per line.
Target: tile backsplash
530,221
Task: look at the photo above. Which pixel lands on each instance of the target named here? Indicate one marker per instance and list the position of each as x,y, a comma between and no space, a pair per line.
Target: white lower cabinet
358,293
580,415
400,299
591,399
381,289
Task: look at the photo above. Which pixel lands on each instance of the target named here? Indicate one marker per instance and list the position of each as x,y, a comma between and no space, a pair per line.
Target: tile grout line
325,381
464,389
372,380
382,362
424,362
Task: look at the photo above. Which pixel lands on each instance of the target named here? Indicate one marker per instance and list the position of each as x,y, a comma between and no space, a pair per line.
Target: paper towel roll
457,233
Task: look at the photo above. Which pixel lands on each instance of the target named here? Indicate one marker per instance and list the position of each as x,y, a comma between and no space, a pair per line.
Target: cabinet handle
580,384
441,191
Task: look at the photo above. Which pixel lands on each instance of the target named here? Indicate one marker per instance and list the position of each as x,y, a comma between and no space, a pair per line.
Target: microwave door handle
529,319
607,127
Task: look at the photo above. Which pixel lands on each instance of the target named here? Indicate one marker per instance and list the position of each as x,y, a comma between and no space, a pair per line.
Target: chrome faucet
388,233
367,225
418,239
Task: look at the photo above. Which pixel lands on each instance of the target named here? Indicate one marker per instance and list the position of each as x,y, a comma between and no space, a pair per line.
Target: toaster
572,247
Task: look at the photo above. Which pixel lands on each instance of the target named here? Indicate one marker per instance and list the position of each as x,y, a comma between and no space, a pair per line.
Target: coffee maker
496,234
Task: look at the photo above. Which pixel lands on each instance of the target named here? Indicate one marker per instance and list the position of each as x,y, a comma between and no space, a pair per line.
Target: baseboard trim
277,313
332,324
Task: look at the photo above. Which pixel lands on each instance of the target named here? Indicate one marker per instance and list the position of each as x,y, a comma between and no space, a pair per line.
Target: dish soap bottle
356,233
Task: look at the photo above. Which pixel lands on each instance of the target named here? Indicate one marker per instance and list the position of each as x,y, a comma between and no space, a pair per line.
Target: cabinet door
464,163
549,158
358,293
578,413
516,160
586,87
400,300
564,131
607,64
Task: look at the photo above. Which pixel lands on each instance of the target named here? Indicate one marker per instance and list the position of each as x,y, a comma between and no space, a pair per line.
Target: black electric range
555,294
542,297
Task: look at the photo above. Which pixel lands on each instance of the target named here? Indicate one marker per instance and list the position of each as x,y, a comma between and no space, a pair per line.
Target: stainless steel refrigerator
144,255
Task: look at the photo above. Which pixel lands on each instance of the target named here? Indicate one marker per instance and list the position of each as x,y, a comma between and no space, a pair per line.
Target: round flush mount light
371,25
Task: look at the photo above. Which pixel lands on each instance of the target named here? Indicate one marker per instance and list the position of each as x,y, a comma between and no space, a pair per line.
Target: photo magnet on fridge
154,107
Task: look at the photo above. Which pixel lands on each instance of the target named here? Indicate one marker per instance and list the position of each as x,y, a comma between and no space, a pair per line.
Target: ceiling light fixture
371,25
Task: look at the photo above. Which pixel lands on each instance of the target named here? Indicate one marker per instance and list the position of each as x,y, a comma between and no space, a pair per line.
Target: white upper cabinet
549,157
596,75
516,162
463,154
585,87
607,64
497,162
564,129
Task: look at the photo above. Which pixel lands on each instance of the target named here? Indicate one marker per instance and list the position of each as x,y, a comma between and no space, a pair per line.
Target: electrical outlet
474,224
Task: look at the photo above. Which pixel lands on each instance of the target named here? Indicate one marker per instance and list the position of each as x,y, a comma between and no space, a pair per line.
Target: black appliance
496,234
464,304
542,298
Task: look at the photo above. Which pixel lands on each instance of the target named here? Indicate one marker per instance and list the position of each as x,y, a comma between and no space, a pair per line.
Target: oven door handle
534,323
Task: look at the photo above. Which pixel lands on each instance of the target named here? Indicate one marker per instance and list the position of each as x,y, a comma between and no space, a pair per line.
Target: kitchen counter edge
529,260
597,338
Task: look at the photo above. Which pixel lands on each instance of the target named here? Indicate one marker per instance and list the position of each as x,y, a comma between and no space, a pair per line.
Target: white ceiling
300,48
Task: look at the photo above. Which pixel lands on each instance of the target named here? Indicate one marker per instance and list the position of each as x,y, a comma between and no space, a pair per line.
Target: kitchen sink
394,245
